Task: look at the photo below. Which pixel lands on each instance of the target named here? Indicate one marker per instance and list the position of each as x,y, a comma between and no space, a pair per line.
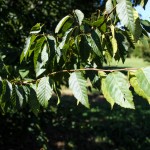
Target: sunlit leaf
61,23
36,29
79,15
44,91
77,84
125,13
116,90
141,82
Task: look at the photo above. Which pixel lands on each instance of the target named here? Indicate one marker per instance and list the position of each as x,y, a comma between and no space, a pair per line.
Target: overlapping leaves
79,44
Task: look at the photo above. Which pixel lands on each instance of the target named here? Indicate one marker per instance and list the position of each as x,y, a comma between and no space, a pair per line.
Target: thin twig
92,69
75,70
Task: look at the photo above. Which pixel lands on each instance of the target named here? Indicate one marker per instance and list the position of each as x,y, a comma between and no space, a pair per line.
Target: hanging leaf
138,27
141,82
105,92
109,7
6,91
28,44
84,47
125,13
95,42
77,84
44,91
116,90
17,97
37,50
137,88
33,101
113,40
79,15
42,61
61,23
65,39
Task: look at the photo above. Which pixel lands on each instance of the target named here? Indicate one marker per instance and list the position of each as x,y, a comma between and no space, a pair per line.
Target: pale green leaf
109,7
114,45
125,13
138,89
77,84
61,23
116,90
106,93
113,40
143,82
44,91
79,15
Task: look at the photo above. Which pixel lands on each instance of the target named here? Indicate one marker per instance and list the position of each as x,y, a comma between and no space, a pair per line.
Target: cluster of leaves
75,53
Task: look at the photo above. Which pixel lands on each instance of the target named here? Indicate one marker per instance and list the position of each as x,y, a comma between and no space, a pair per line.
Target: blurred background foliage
142,49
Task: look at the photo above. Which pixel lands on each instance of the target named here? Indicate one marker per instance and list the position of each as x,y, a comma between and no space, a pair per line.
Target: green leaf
113,40
33,101
146,25
95,42
26,49
98,22
6,95
17,98
23,72
6,91
84,47
37,50
123,47
61,23
109,7
79,15
77,84
36,29
116,90
65,39
105,92
125,13
141,82
137,88
67,25
42,61
138,27
44,91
